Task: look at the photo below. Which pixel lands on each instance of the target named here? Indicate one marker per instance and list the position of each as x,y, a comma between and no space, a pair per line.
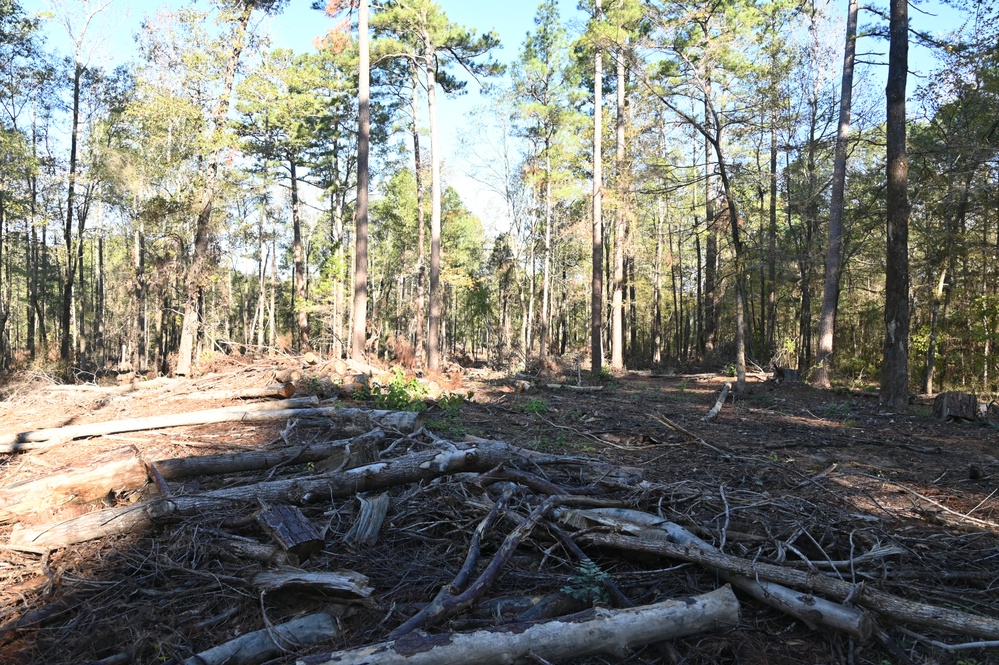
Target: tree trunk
436,298
546,293
420,337
620,226
834,246
299,305
895,368
206,198
597,280
65,321
360,310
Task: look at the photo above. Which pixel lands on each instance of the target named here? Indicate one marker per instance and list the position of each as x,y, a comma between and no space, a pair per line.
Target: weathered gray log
811,610
365,530
260,460
117,469
418,467
277,410
290,529
341,582
899,609
719,403
263,645
612,632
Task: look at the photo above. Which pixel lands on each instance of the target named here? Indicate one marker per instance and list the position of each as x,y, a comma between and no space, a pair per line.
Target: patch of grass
401,394
533,405
836,410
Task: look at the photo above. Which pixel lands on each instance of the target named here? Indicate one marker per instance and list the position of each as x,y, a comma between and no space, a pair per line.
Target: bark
259,460
620,226
343,582
436,298
291,530
612,632
272,642
895,366
897,608
834,246
360,309
74,483
419,467
597,279
299,305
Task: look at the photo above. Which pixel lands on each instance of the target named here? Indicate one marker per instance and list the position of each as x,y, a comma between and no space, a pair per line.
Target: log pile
360,536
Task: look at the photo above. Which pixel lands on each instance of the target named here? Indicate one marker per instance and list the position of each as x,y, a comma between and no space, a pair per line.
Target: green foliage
401,394
534,405
588,585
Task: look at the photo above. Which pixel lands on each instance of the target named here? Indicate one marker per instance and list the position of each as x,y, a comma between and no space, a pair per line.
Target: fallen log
118,469
578,389
718,403
261,460
282,390
341,582
811,610
613,632
418,467
273,641
248,412
899,609
291,530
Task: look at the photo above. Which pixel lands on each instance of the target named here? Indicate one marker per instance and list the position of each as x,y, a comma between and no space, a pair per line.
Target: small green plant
535,405
682,386
588,585
401,394
451,402
730,370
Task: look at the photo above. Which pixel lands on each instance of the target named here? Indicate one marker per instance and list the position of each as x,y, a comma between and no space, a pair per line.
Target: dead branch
718,403
282,390
899,609
613,632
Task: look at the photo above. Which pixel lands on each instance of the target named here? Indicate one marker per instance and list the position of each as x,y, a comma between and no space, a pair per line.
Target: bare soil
786,474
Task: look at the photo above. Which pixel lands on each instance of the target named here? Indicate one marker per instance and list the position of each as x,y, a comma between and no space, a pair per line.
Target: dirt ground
813,480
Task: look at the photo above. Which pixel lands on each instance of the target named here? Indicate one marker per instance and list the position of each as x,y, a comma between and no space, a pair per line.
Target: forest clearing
147,545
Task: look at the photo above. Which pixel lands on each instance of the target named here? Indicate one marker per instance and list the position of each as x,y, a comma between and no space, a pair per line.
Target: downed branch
273,641
899,609
341,582
417,467
614,632
811,610
258,460
718,403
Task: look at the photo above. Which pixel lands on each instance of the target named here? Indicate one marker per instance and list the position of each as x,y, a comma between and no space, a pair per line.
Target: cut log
718,403
578,389
282,390
418,467
273,641
897,608
118,469
260,460
811,610
612,632
341,583
292,531
957,406
24,440
364,532
288,376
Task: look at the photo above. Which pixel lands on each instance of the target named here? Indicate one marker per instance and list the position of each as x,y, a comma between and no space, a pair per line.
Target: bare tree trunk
420,338
620,227
65,321
206,199
546,293
834,247
436,299
302,338
895,367
360,309
597,282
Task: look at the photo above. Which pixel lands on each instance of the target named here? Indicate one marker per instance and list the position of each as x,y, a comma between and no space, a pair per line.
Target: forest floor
810,480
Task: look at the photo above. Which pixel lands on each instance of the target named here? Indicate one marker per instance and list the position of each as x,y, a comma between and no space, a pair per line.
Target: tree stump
956,406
